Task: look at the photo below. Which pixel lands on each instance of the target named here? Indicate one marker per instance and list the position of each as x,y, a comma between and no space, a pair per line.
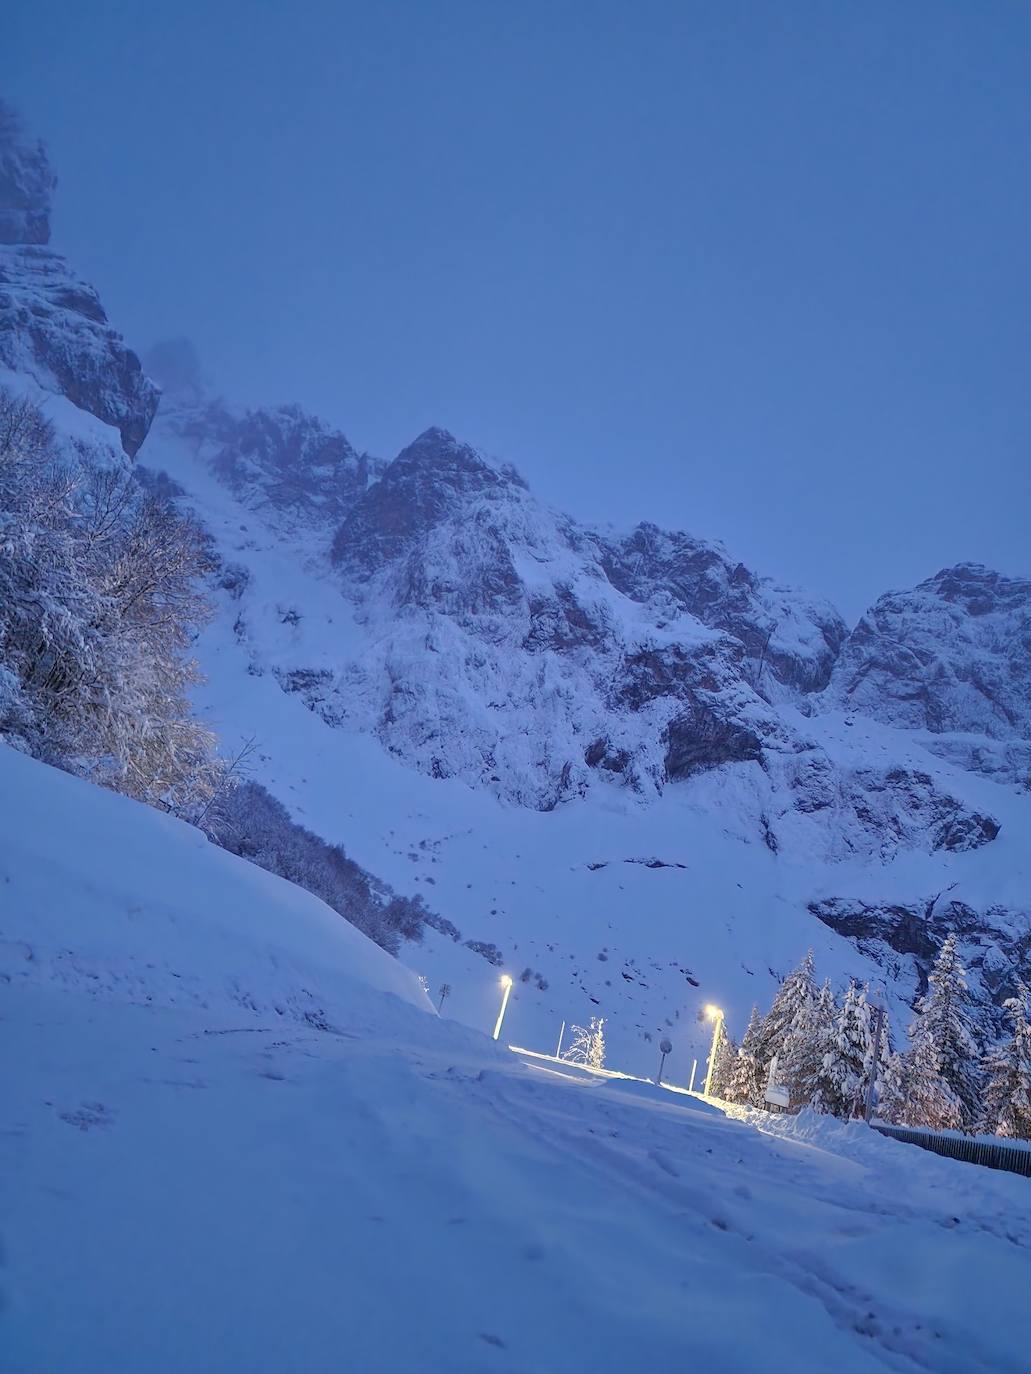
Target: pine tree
842,1079
942,1066
1007,1100
802,1060
790,1013
722,1070
747,1082
891,1079
587,1044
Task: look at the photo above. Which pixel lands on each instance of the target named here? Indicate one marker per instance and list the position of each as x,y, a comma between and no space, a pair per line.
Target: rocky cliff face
52,325
519,649
905,938
951,658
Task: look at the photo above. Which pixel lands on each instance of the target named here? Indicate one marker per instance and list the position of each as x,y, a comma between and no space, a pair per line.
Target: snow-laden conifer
802,1060
943,1078
1007,1099
790,1013
746,1082
842,1078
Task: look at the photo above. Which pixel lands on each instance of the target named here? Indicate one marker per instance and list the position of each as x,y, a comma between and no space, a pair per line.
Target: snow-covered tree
790,1013
723,1068
842,1078
810,1040
746,1082
99,600
891,1079
587,1044
1006,1109
942,1070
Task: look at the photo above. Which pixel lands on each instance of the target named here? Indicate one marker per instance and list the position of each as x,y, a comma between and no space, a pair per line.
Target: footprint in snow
88,1115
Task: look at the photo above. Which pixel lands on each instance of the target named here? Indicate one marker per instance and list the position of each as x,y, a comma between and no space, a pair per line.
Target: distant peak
436,436
977,587
436,451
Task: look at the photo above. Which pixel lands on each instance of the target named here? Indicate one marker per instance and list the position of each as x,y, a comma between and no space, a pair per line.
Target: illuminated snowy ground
194,1177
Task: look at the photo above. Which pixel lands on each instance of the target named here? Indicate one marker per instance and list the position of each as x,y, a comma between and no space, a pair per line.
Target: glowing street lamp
506,983
715,1015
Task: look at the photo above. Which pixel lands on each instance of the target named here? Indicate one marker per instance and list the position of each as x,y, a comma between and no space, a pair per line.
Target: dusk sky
760,271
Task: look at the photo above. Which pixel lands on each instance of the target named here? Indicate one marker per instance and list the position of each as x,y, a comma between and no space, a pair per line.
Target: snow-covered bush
587,1044
98,602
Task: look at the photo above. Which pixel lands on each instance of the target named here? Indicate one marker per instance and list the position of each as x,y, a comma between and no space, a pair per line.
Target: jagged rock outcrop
905,938
52,325
791,641
282,461
952,657
556,654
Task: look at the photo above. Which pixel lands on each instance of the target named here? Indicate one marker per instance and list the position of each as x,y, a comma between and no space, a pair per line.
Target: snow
157,906
205,1180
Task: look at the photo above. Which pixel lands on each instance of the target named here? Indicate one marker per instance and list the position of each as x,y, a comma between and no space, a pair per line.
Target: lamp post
715,1015
506,983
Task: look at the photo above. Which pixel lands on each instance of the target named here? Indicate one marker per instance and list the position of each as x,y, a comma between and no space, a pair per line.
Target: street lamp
715,1015
506,983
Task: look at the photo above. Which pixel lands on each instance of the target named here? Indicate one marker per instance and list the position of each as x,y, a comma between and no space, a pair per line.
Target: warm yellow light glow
714,1013
506,983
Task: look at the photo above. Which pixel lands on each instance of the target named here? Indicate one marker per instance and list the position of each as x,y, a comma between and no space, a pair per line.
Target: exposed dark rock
995,944
54,328
562,623
792,639
601,754
281,461
700,737
416,492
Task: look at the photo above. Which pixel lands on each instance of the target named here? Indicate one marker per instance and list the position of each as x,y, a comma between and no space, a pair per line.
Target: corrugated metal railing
992,1156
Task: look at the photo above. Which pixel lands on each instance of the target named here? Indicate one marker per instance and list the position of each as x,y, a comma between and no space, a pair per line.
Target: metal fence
987,1153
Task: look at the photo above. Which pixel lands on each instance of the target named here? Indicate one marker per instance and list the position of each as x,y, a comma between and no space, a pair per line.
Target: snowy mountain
634,772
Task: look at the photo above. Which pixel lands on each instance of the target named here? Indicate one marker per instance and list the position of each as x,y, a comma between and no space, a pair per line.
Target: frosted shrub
98,602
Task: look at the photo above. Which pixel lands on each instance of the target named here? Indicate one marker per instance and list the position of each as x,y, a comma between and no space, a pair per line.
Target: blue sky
757,270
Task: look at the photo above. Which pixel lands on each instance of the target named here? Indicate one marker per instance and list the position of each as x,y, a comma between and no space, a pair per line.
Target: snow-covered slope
104,895
233,1135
